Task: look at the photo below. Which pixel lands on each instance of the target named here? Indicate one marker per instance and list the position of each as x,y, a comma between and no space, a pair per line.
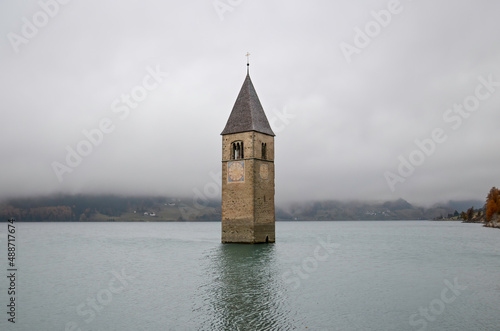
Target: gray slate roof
247,113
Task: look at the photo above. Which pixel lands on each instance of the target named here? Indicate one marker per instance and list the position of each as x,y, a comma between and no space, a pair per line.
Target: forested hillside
74,208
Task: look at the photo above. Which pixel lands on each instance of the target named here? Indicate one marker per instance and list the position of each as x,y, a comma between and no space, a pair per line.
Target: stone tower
248,172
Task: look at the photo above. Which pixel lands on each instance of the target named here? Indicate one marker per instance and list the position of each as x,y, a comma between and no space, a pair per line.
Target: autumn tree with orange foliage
492,203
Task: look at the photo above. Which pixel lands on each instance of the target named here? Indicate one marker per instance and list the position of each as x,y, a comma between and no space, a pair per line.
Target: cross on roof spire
248,61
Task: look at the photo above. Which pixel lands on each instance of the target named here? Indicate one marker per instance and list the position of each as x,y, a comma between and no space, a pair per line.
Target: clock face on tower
236,171
264,171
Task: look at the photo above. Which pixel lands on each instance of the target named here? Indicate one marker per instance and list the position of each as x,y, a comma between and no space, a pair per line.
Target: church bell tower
248,172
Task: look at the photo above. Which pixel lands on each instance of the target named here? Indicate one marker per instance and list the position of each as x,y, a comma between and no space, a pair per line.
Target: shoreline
491,224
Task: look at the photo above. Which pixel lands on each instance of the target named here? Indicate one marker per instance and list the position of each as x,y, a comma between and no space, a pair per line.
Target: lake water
406,275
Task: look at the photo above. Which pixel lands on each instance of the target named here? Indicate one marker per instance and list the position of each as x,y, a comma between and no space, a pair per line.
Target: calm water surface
408,275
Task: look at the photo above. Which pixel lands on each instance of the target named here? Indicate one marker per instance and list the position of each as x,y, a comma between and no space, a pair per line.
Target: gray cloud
348,124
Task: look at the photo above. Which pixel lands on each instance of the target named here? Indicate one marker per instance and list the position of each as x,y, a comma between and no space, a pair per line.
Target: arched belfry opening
264,151
237,150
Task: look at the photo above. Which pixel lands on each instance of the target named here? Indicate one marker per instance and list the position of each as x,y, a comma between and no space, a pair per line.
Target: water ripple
242,290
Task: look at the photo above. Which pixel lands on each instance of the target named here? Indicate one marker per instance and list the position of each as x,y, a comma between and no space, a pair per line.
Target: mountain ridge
110,207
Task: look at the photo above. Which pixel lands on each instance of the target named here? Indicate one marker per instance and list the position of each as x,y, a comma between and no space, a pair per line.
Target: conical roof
247,113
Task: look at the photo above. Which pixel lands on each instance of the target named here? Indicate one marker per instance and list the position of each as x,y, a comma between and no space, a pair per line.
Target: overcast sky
348,88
